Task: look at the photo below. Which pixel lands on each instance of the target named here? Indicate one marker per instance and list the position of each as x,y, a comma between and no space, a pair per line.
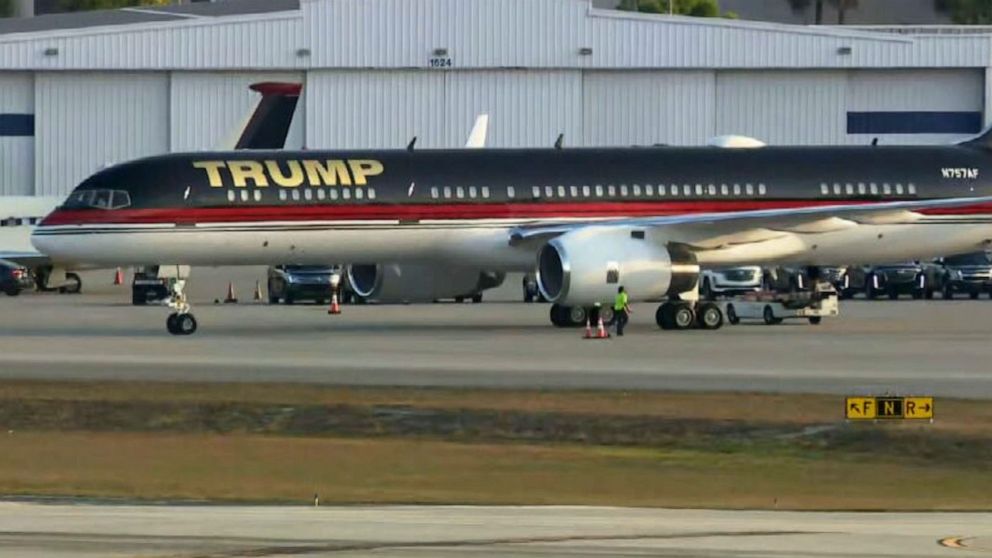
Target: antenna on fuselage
559,141
413,141
874,141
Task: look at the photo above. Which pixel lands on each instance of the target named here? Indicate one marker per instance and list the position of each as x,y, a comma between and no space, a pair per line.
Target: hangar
81,91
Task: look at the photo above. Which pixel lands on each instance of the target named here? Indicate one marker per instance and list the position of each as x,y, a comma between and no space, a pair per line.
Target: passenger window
346,194
637,190
849,189
824,189
308,194
837,190
711,190
561,191
861,188
296,195
536,191
473,192
434,192
761,189
724,191
623,190
549,192
687,190
321,194
585,191
244,195
912,188
661,189
510,192
749,189
333,194
675,189
359,193
257,195
648,190
459,192
447,192
737,189
899,188
611,190
886,189
371,193
231,196
874,188
599,190
574,191
485,192
699,189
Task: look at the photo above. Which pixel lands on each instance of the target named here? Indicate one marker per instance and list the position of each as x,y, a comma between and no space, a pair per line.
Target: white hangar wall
17,141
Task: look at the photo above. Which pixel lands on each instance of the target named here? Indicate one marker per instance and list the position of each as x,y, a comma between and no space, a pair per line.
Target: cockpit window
98,199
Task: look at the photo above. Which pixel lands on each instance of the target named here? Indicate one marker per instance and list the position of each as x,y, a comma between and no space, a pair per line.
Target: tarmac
907,347
31,530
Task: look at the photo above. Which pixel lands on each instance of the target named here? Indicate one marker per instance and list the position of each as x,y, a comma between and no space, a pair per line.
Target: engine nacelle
390,283
586,266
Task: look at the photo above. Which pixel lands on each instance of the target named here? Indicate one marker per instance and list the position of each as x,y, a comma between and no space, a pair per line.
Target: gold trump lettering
290,173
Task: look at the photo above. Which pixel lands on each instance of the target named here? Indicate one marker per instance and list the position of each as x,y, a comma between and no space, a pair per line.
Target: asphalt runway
52,530
920,347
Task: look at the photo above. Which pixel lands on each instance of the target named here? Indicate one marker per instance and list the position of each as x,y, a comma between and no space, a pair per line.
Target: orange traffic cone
601,332
588,333
335,307
258,292
231,299
119,277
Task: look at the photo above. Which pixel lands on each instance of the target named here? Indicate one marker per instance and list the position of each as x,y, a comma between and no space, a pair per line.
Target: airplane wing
477,137
269,123
27,259
714,231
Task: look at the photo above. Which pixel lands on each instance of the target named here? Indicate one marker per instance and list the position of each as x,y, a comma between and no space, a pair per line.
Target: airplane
265,128
425,224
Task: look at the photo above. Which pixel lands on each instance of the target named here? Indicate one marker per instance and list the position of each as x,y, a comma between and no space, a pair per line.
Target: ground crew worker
621,310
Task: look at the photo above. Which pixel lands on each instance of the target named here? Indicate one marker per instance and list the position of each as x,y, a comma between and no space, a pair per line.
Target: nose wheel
181,321
181,324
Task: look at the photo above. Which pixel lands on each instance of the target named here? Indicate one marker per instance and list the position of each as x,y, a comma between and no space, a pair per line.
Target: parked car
14,278
969,274
785,279
294,283
147,287
893,280
729,281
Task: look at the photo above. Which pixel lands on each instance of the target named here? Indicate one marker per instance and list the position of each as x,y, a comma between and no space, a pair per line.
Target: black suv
893,280
967,273
293,283
14,278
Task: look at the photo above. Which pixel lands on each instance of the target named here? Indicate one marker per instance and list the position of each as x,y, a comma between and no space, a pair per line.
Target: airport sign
889,407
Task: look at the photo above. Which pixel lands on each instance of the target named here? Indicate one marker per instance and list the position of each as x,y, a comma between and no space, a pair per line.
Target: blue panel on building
16,124
914,122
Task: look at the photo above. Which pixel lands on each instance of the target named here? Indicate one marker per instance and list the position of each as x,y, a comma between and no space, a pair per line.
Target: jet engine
391,283
584,267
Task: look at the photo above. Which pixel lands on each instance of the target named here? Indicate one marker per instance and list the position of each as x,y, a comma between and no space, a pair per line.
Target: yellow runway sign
888,408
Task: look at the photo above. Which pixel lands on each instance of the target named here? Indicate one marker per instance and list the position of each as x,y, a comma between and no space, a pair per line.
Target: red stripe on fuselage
453,211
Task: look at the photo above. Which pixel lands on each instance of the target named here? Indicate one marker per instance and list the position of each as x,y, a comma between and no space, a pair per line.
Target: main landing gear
684,314
181,321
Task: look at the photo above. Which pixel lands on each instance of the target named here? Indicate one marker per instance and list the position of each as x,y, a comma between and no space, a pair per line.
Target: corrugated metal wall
648,107
782,107
16,151
209,109
86,120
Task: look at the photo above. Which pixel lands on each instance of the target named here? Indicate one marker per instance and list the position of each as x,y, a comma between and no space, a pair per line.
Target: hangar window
637,190
837,190
911,188
459,192
447,192
485,192
886,189
346,194
599,190
711,189
321,194
824,189
861,188
536,191
333,194
648,190
510,192
611,190
874,188
749,188
359,193
899,188
473,192
257,194
585,191
623,190
231,196
561,191
434,192
308,194
371,192
724,191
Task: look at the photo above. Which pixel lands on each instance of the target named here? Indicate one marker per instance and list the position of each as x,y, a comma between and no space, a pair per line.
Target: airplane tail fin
269,124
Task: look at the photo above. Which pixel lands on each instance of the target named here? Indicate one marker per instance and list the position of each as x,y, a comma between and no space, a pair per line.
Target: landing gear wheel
732,316
706,291
815,320
664,317
576,316
170,324
769,316
683,316
555,315
181,324
710,316
74,284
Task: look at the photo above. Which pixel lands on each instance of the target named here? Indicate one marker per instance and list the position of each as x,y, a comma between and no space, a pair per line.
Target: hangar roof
465,34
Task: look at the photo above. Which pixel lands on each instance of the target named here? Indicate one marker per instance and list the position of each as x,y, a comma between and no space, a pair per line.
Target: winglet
477,138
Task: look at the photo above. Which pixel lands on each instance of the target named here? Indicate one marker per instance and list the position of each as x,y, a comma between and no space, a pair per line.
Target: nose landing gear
182,321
